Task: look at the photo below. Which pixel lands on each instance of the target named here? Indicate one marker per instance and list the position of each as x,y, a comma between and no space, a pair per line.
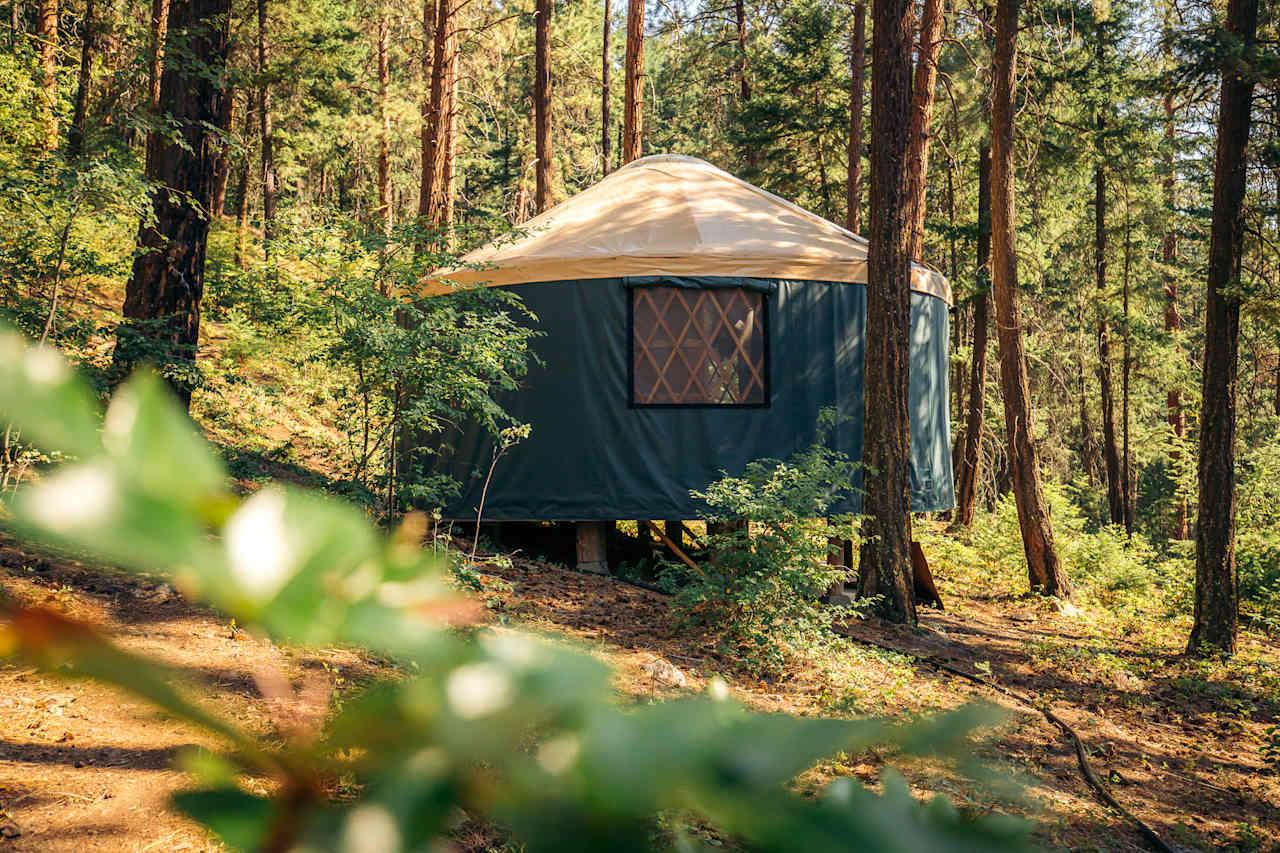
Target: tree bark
606,140
971,459
222,174
542,104
159,32
47,38
632,111
1216,602
857,69
80,112
1126,472
167,281
926,78
435,201
384,128
1045,572
1110,455
740,20
267,142
885,560
242,198
1172,317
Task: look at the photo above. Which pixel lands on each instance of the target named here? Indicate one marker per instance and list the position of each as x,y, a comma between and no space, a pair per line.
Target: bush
486,723
1104,564
769,537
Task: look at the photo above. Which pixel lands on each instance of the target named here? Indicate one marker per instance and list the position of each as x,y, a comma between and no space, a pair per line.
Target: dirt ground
84,768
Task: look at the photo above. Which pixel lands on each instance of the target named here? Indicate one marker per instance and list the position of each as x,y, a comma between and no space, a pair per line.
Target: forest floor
85,768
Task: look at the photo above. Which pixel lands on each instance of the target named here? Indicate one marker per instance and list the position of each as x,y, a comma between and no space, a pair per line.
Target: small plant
770,543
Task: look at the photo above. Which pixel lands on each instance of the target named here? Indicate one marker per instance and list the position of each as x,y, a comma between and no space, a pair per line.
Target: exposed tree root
1086,769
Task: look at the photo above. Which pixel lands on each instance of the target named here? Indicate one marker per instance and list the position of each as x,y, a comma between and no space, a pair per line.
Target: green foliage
504,726
1104,565
402,366
769,537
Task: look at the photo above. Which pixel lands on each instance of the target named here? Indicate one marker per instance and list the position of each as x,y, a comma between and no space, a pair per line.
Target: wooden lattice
698,347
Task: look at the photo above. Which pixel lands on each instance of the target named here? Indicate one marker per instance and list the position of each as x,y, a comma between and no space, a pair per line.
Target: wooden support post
839,553
926,590
674,548
675,531
592,555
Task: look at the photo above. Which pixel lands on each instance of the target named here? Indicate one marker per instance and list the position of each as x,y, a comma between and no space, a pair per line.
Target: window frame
766,361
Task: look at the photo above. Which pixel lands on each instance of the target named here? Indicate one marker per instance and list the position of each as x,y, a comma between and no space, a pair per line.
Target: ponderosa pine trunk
242,198
222,174
632,108
435,202
162,297
885,560
1172,316
926,78
80,110
267,141
1110,454
740,25
970,469
1045,572
857,71
1216,601
542,104
606,67
384,128
47,42
159,32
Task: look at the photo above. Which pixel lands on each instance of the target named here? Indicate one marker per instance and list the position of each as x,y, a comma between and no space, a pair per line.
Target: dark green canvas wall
592,456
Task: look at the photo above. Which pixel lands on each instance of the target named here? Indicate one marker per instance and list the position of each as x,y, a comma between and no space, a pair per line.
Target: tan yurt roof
673,215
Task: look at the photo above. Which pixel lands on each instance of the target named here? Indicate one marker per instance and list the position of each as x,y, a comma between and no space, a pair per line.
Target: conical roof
674,215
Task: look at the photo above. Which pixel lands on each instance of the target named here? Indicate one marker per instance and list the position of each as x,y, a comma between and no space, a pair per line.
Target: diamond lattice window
698,347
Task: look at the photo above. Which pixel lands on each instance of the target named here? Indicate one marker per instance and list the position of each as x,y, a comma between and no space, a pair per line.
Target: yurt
691,323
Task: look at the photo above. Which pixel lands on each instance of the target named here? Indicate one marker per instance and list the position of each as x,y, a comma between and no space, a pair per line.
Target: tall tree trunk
542,103
740,20
159,33
47,38
632,108
1216,604
1172,317
222,174
857,69
744,85
242,197
435,202
971,459
167,283
384,128
1045,573
926,79
606,65
1110,455
1088,452
80,112
1126,474
267,142
885,566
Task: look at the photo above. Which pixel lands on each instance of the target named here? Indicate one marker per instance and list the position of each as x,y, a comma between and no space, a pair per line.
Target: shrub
494,724
769,537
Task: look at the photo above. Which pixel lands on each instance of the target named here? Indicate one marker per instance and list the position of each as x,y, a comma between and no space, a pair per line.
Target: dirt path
83,768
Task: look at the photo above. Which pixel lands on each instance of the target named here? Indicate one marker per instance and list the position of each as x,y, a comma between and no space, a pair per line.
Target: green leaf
239,820
157,446
44,398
